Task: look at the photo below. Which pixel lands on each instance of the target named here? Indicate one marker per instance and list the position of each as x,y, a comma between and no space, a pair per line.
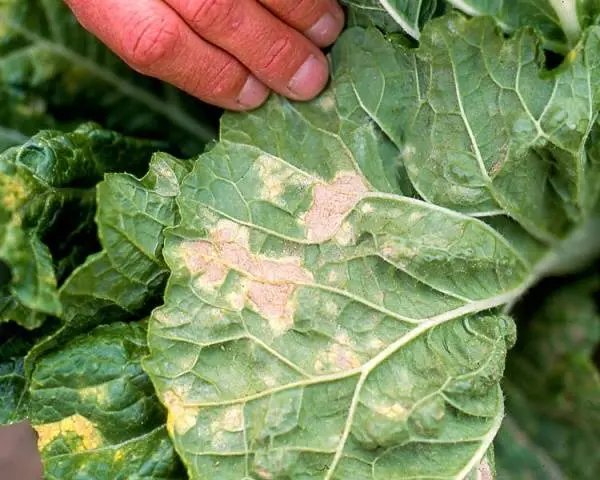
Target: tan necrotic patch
331,204
268,286
198,258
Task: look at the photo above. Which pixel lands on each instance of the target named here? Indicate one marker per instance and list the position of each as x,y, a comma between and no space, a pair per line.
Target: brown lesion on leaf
198,258
269,284
331,204
484,471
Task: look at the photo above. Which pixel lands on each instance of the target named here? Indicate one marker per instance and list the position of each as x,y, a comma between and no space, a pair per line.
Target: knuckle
149,40
225,81
213,15
278,55
299,9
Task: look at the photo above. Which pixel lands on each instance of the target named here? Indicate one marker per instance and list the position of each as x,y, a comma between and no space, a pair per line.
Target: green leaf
560,22
553,391
308,330
391,15
15,343
45,53
22,115
95,411
47,194
481,127
126,278
13,348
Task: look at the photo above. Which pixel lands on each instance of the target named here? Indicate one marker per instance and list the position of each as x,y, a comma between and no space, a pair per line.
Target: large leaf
553,388
315,327
482,128
561,22
95,411
66,74
127,277
47,197
407,16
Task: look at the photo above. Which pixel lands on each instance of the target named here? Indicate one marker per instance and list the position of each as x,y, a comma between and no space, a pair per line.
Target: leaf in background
46,194
21,115
482,129
560,22
315,327
126,279
407,16
46,54
553,391
14,345
95,410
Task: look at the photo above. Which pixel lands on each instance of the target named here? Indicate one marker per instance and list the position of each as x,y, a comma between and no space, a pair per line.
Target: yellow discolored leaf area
14,192
76,424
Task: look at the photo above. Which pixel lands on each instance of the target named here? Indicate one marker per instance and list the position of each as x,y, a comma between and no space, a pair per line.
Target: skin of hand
229,53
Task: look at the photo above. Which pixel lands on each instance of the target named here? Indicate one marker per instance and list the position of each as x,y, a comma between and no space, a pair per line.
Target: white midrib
365,369
368,367
175,115
468,9
427,325
486,443
411,30
566,11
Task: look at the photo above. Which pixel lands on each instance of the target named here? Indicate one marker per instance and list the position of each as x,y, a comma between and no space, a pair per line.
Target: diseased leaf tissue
328,291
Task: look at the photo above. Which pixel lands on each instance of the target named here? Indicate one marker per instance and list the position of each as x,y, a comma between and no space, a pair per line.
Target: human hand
226,52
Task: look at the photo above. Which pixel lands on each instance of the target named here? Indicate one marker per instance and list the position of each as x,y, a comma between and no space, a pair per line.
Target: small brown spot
327,101
264,473
484,471
331,203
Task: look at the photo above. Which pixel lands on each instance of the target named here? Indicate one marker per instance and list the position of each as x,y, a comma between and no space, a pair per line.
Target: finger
152,38
321,21
280,56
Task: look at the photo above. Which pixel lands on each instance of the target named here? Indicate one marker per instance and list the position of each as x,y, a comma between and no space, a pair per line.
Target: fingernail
326,30
309,79
253,93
